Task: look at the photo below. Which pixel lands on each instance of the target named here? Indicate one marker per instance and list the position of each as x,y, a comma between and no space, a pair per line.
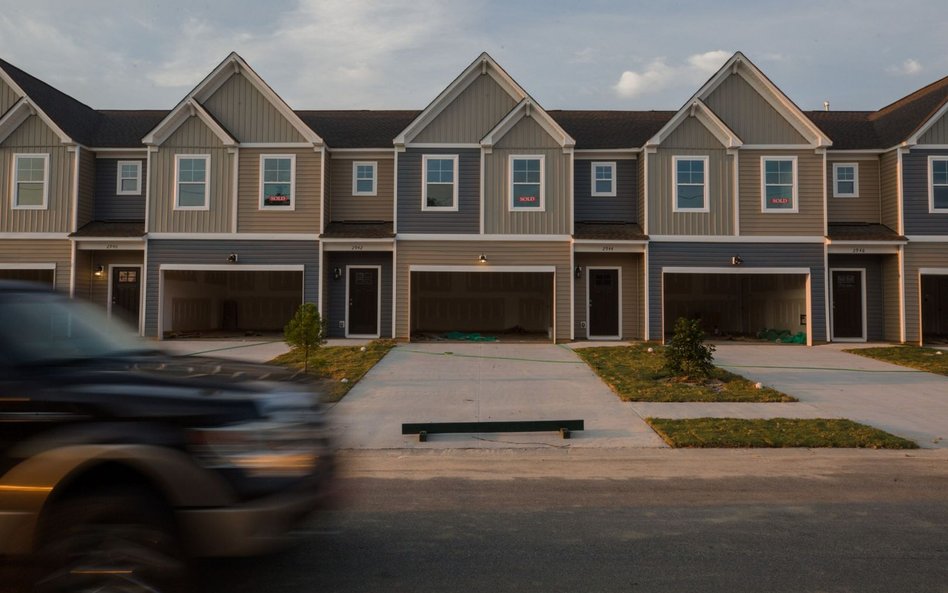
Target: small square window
845,180
129,178
526,183
364,181
603,179
277,173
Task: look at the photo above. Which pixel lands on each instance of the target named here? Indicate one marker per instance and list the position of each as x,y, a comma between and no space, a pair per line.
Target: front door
363,289
126,294
603,302
847,305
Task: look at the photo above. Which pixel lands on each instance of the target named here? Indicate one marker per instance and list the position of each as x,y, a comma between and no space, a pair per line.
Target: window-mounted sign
277,200
780,201
532,200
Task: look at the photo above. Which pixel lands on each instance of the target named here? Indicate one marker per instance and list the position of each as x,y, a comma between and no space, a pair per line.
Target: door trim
378,301
108,301
865,334
589,335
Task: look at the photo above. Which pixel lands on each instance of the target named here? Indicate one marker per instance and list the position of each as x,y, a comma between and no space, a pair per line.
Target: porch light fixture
232,258
336,273
737,260
482,258
99,271
578,272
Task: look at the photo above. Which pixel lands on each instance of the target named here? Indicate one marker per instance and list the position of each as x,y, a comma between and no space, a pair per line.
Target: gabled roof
527,108
73,121
908,118
358,128
610,130
698,110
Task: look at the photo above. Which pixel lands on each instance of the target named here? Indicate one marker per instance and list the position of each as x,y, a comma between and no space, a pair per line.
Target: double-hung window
277,181
30,181
845,180
440,188
779,184
937,184
603,179
526,183
191,183
690,185
128,180
364,179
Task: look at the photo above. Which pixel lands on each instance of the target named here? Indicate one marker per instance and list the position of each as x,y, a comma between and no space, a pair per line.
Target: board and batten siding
85,209
749,115
40,251
718,255
623,207
334,295
343,206
918,219
8,97
35,137
472,114
174,251
808,221
248,115
867,207
879,305
889,189
108,204
499,254
937,133
193,137
304,218
527,138
919,255
633,291
412,219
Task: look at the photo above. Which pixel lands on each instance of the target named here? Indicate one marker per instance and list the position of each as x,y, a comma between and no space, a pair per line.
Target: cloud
909,67
658,75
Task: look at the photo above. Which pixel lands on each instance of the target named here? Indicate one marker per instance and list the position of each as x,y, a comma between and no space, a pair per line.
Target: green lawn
339,362
923,359
638,375
774,433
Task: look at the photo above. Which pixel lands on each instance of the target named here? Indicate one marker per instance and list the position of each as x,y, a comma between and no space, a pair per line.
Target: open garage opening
36,275
934,308
771,307
482,306
225,303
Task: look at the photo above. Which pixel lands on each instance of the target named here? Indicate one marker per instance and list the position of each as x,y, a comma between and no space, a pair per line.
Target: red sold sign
526,199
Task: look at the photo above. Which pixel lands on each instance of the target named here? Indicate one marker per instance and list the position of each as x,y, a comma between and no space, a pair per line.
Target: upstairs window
364,181
603,179
440,188
845,180
30,181
690,185
277,175
129,178
526,183
938,184
191,187
779,184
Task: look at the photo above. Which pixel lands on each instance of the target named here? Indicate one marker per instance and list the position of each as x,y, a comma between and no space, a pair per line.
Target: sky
399,54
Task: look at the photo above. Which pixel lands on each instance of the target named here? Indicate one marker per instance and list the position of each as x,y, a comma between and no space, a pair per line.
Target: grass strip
914,357
338,363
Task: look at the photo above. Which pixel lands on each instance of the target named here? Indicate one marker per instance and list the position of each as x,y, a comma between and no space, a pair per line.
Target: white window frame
119,179
795,193
424,182
931,185
706,197
292,206
207,182
836,192
375,178
14,185
592,181
510,182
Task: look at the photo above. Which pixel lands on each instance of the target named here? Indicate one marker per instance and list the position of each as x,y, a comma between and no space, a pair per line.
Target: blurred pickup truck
120,464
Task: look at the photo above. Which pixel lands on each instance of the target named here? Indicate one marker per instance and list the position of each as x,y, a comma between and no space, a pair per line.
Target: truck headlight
262,449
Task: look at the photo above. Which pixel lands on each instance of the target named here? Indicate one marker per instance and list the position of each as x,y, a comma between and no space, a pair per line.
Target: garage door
934,308
501,304
42,276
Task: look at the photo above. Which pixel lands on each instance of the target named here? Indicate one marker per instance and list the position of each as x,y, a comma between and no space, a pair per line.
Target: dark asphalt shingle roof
359,230
358,128
611,129
609,231
125,129
100,229
862,232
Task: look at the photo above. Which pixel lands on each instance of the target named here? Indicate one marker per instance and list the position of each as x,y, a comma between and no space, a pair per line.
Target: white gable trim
922,129
181,114
20,112
698,110
527,108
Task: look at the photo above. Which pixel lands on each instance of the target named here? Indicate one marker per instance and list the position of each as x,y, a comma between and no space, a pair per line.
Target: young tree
306,331
687,354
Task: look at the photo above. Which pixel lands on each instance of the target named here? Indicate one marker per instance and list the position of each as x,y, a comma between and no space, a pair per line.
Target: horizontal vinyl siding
305,216
640,190
86,206
108,204
248,115
335,304
749,115
7,97
865,208
663,220
471,115
411,218
34,137
919,255
622,207
891,280
633,286
918,219
39,251
808,221
499,253
877,301
342,205
889,189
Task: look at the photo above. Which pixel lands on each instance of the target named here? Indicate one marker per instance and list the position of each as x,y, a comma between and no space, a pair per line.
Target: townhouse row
484,211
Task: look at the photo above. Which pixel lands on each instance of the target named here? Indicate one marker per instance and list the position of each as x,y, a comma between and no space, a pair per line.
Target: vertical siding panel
7,98
248,115
866,207
937,134
471,115
808,221
663,220
303,219
623,207
750,115
342,205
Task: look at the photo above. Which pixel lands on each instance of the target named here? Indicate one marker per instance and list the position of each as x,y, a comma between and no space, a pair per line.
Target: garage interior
737,305
502,305
28,275
200,302
934,309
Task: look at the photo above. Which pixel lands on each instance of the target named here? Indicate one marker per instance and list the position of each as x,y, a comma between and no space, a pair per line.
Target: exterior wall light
336,273
737,260
578,272
99,271
232,258
482,259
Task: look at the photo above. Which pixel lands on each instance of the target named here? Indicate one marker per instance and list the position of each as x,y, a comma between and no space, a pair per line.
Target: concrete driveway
460,382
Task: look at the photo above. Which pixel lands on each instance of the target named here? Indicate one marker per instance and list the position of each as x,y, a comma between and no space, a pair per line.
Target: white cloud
909,67
658,75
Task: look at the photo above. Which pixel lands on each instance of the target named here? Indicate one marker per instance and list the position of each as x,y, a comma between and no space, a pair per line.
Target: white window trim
707,202
795,194
931,185
355,178
836,192
510,183
292,207
138,179
14,181
207,182
424,183
592,183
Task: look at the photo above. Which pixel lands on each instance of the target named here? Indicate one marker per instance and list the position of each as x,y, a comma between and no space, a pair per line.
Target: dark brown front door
847,304
934,306
126,294
603,303
363,302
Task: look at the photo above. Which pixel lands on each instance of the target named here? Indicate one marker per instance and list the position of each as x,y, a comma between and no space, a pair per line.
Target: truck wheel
119,540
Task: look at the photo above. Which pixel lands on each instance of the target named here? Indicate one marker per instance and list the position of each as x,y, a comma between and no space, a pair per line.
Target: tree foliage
306,331
687,354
